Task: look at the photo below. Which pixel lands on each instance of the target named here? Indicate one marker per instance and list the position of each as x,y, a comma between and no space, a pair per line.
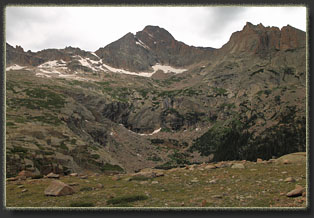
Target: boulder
289,179
296,192
73,174
210,166
298,157
259,160
12,179
99,185
150,174
195,180
58,188
221,165
26,173
237,166
53,176
116,178
84,177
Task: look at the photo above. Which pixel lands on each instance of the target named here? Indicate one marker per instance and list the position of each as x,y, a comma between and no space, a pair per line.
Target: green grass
10,124
19,150
110,167
95,156
157,141
219,91
140,178
127,199
63,146
258,185
47,118
37,99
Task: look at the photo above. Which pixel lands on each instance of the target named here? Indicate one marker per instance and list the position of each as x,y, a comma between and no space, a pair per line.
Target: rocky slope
147,100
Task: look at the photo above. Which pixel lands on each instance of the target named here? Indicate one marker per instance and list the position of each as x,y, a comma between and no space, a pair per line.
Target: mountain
150,46
148,100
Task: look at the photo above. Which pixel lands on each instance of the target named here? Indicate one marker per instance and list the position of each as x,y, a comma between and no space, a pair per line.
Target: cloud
219,19
32,26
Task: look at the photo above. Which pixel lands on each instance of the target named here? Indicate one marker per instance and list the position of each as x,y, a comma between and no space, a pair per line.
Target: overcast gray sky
37,28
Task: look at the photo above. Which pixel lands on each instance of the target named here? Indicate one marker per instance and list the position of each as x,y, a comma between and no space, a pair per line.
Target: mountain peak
259,39
156,32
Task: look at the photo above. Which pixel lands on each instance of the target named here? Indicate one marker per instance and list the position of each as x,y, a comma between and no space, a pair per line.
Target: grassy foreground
257,185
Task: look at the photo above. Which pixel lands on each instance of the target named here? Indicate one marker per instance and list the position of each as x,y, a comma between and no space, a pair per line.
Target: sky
89,28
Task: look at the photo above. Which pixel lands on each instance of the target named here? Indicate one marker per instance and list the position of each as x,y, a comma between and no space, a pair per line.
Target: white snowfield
167,69
14,67
144,134
156,67
58,68
53,64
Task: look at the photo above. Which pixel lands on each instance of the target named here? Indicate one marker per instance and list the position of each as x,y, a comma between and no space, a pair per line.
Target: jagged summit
258,39
157,32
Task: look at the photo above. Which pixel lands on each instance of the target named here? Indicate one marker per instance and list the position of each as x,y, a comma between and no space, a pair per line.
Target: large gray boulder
58,188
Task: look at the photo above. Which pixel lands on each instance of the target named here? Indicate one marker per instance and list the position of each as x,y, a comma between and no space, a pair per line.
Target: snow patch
14,67
156,67
93,65
49,71
155,131
167,69
93,53
53,64
42,75
116,70
140,43
150,35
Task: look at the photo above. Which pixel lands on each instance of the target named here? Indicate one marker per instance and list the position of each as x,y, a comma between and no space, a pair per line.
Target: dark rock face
150,46
18,56
168,50
117,54
117,112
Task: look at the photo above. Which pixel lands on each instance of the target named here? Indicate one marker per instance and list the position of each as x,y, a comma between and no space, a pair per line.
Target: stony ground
224,184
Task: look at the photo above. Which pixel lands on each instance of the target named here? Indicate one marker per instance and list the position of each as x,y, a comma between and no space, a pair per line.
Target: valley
150,101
